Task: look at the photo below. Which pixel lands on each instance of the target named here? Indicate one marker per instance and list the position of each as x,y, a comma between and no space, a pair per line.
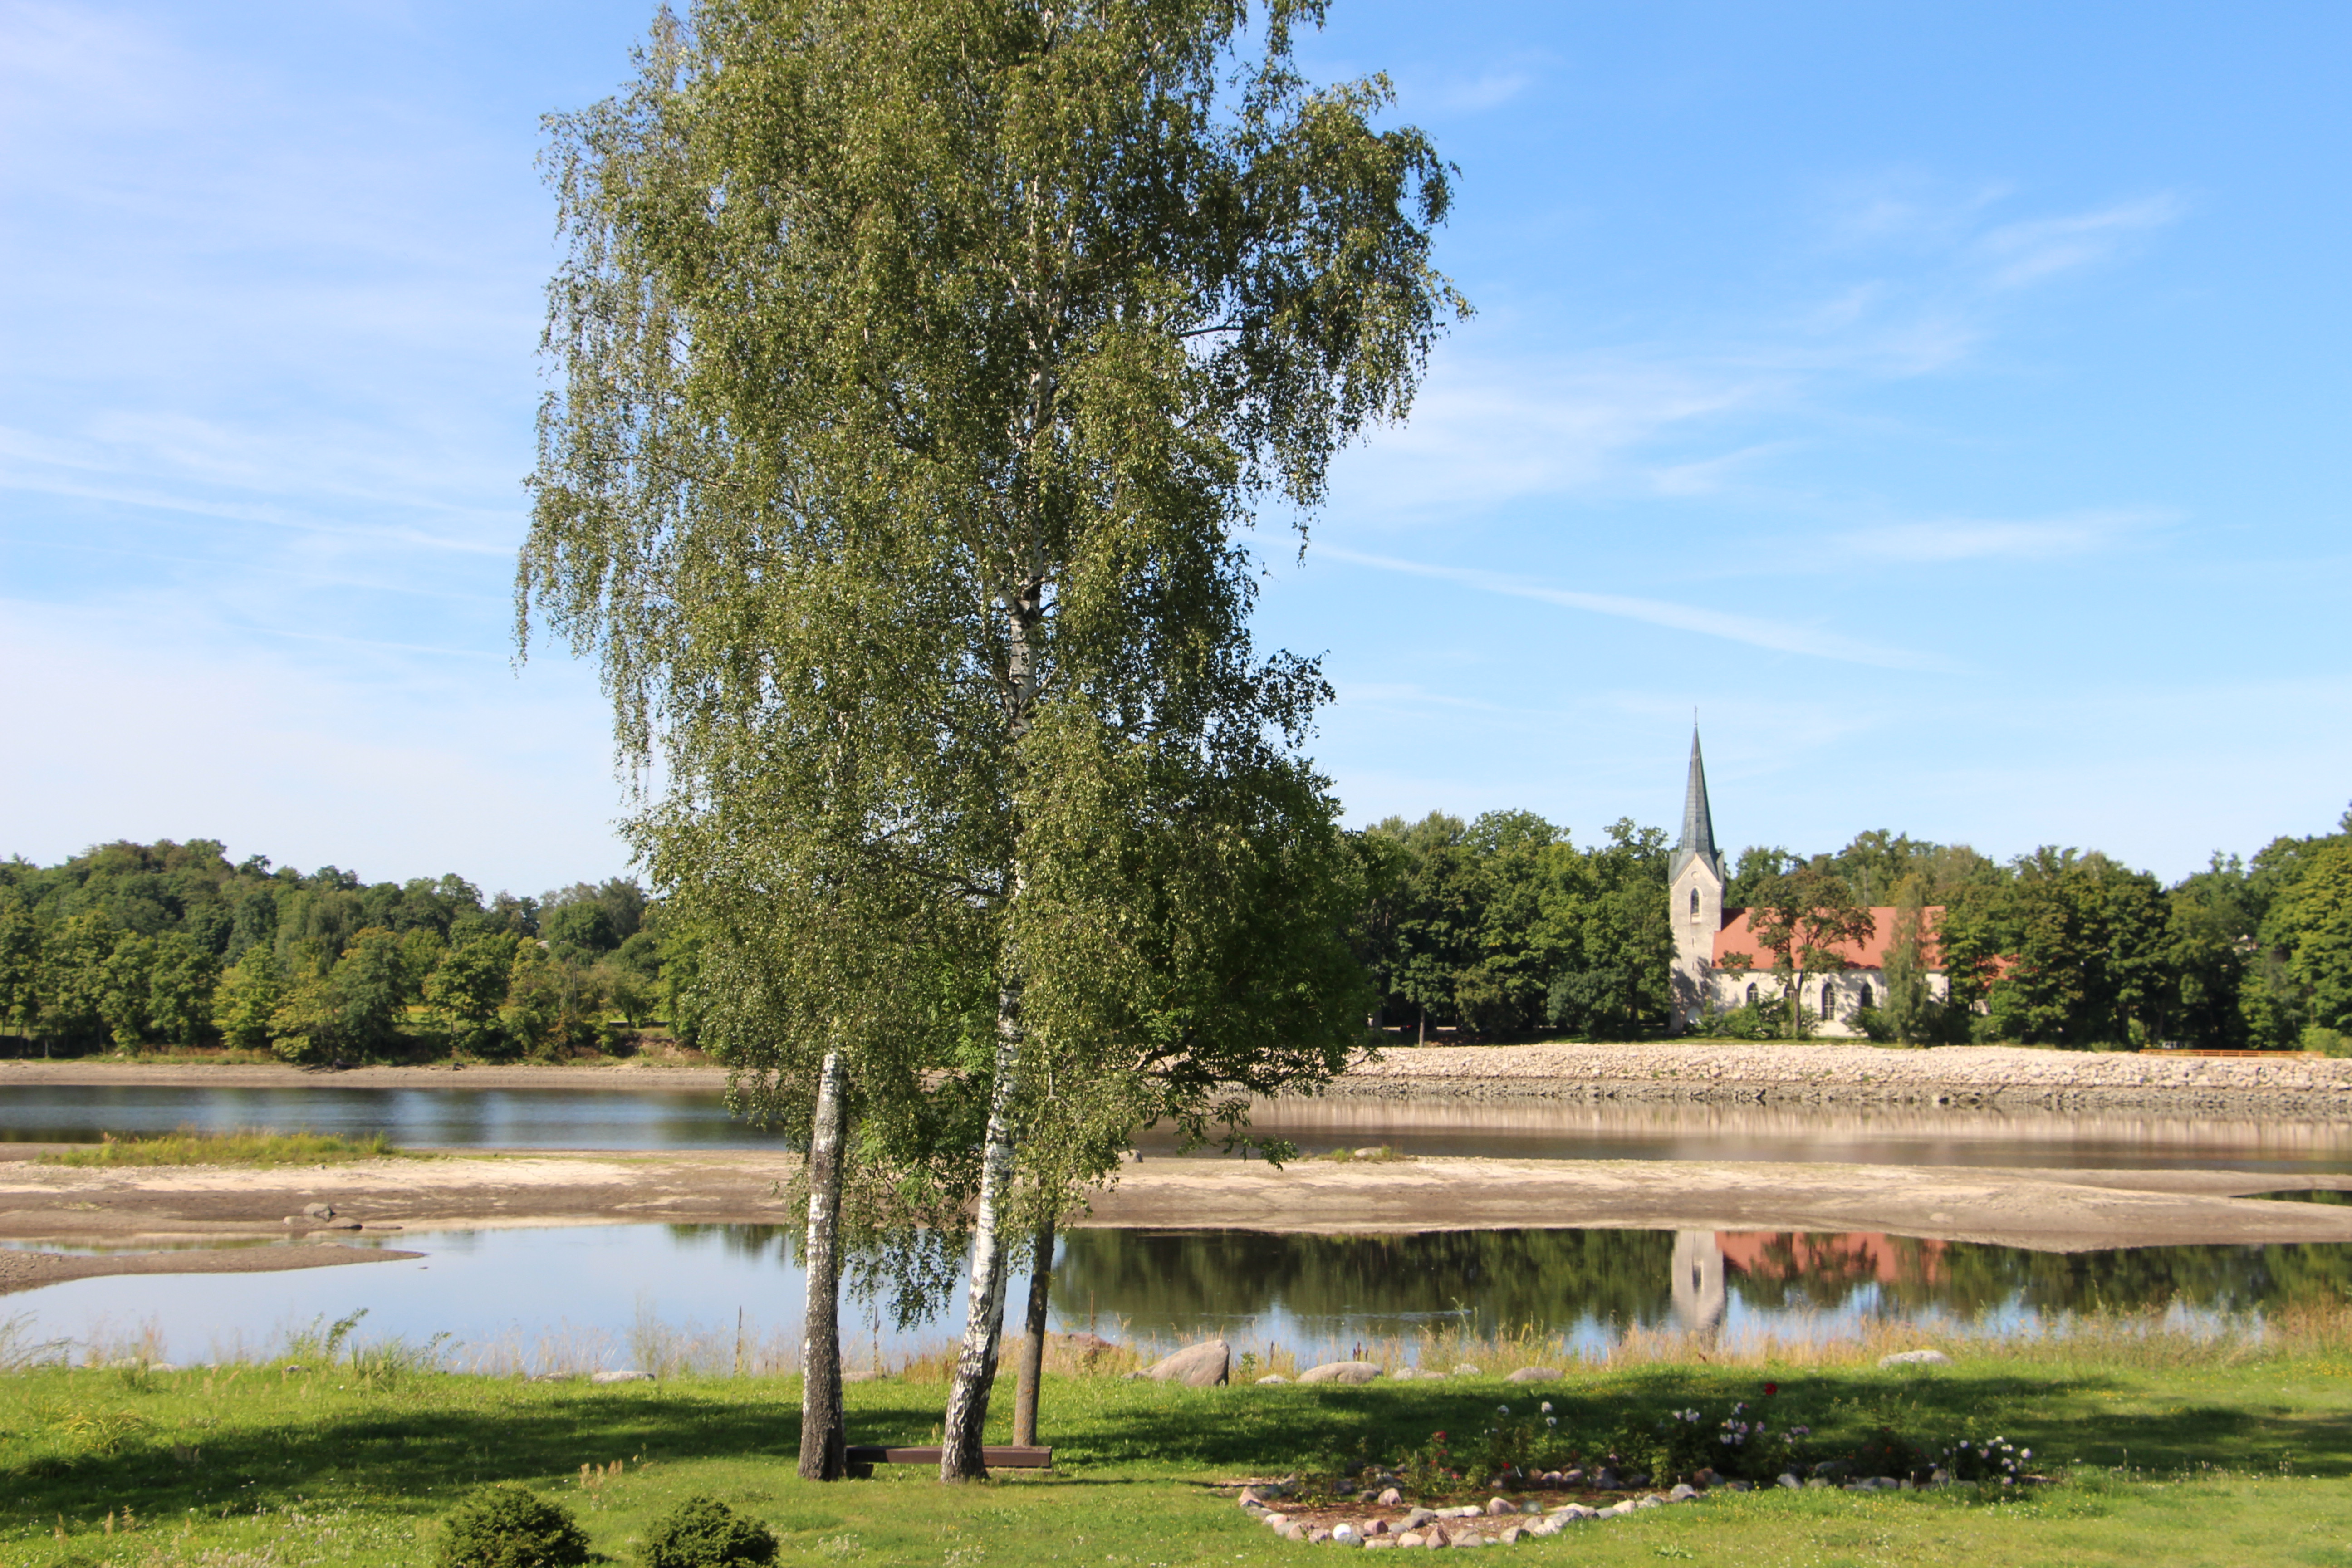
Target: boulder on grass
1204,1365
1341,1371
1534,1374
1916,1358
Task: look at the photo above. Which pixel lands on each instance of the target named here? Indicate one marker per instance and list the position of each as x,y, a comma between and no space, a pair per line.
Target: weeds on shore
244,1146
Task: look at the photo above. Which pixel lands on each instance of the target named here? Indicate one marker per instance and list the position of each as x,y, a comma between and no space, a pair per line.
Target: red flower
1771,1389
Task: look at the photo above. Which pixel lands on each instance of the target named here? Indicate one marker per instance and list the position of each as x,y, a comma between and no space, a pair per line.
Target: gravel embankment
2009,1077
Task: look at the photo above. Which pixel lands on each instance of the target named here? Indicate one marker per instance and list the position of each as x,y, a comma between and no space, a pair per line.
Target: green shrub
703,1533
2327,1042
510,1526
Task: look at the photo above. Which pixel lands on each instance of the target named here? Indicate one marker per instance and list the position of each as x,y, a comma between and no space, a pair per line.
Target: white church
1704,930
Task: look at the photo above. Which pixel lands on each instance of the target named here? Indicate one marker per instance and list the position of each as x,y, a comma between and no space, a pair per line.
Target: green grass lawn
2221,1459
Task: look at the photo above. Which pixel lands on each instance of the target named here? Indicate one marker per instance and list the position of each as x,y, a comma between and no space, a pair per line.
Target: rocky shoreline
1710,1072
1805,1073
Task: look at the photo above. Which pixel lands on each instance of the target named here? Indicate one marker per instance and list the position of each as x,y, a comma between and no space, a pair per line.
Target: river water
582,1297
653,1119
585,1295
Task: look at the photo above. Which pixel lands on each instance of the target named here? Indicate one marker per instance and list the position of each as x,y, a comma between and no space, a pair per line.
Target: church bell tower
1695,890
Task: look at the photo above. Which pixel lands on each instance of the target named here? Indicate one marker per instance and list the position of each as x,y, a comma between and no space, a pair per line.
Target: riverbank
1811,1073
1709,1072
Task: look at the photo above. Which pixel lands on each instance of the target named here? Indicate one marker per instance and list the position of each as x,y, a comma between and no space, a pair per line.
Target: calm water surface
537,1298
655,1118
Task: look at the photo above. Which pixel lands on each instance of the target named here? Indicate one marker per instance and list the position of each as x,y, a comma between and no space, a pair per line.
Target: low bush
703,1533
510,1526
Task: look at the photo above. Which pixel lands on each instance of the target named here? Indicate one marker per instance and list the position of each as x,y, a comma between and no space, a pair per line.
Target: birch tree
920,366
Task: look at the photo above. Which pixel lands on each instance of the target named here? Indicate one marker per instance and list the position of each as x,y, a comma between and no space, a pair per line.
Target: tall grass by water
242,1146
747,1347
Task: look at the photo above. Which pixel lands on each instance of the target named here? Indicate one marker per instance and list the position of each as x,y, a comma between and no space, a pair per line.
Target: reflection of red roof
1785,1254
1737,937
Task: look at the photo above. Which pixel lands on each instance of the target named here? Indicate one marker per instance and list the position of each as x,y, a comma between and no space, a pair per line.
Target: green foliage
704,1532
131,946
1808,920
1503,928
248,998
2069,949
510,1526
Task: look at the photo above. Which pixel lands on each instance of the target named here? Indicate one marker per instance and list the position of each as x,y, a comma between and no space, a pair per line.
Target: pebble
1411,1538
1274,1522
1511,1536
1501,1505
1345,1534
1682,1492
1418,1517
1391,1498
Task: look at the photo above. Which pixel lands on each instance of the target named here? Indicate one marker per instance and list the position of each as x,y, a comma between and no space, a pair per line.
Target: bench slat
1006,1459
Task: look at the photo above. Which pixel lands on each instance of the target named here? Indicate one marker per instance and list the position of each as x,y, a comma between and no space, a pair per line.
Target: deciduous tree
919,364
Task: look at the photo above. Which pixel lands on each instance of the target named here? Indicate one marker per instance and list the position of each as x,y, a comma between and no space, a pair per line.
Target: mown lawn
2215,1461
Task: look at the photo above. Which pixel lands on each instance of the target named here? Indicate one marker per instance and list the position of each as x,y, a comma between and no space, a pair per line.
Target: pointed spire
1698,821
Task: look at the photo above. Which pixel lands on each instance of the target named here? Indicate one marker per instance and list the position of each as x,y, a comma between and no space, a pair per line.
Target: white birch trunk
983,1331
823,1437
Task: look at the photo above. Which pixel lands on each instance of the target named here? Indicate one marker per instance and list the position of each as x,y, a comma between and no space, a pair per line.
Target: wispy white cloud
1780,637
2017,254
1984,538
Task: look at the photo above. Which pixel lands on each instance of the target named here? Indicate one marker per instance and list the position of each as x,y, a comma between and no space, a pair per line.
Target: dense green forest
1497,929
142,945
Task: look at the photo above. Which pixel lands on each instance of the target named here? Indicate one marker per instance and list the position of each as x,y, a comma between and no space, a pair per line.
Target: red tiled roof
1737,937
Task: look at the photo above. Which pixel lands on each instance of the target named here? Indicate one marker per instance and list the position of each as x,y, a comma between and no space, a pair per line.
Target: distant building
1704,930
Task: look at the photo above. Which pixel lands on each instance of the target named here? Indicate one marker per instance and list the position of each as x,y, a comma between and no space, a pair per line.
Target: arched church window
1751,993
1865,994
1829,1000
1694,903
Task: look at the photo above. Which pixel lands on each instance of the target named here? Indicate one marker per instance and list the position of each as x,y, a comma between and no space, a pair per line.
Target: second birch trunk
975,1370
824,1437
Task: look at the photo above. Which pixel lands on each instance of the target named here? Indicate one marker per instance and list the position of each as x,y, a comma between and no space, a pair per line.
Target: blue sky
1947,401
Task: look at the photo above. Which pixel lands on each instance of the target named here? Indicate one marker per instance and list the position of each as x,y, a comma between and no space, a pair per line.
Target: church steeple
1699,822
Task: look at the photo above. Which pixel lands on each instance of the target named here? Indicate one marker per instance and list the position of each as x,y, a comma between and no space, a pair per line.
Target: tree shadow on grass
414,1451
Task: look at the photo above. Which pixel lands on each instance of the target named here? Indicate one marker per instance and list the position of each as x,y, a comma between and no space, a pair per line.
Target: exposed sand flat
25,1270
2052,1210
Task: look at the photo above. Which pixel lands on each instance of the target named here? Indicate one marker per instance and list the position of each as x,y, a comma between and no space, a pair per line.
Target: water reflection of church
1782,1268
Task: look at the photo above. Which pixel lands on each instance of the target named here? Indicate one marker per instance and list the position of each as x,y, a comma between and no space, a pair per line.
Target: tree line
1501,928
1498,928
140,946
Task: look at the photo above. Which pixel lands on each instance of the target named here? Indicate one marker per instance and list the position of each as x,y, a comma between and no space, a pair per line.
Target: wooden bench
863,1457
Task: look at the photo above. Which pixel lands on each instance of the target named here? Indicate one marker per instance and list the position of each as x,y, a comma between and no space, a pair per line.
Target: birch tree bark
975,1368
823,1436
1031,1370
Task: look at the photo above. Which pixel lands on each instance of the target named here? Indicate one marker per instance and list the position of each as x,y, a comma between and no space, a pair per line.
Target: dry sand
2049,1210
